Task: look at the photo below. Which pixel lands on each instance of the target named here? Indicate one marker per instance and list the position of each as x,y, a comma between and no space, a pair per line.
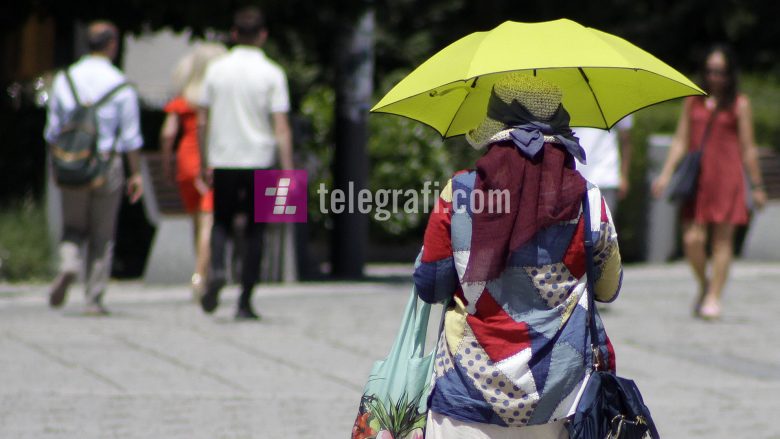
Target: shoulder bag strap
708,128
590,271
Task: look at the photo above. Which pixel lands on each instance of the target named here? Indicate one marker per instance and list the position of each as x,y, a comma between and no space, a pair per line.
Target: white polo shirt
94,76
242,89
602,153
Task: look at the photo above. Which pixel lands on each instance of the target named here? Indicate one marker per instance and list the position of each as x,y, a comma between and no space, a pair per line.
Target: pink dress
721,194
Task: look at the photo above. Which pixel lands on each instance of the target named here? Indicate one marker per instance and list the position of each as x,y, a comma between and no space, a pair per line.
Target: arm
676,153
283,135
135,183
749,150
53,123
435,277
167,137
607,261
203,126
130,141
624,139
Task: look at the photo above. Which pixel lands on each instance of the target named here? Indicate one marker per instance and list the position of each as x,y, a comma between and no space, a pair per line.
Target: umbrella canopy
603,77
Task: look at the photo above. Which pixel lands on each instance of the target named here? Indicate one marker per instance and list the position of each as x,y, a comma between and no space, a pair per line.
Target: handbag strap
708,128
414,327
596,363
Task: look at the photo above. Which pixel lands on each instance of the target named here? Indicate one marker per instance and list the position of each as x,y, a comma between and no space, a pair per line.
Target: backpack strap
106,97
102,100
72,86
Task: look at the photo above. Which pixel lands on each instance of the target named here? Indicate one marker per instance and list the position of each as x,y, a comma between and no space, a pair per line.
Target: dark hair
248,22
732,73
99,41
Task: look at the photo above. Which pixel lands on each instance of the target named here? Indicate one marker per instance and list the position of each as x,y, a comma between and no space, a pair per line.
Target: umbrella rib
455,114
595,98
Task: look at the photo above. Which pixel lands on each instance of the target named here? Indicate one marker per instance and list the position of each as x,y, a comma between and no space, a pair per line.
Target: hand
207,177
659,185
201,186
759,197
135,188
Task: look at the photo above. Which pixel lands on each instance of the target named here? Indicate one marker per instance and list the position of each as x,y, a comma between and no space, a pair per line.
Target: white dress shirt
93,77
242,90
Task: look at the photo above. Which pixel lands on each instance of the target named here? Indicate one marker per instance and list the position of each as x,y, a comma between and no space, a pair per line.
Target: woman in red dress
729,156
181,121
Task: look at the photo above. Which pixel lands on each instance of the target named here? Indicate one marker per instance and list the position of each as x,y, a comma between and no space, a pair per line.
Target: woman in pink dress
721,200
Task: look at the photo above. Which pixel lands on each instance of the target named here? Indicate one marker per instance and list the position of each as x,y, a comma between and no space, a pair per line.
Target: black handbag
685,180
610,407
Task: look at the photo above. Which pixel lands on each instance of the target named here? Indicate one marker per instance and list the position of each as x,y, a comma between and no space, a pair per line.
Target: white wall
149,60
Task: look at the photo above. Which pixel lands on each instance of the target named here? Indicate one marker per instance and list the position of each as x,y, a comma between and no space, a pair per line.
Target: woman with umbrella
515,354
512,358
721,125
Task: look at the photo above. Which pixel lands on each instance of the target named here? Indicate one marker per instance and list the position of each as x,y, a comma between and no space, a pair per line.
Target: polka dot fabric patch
508,401
443,360
553,282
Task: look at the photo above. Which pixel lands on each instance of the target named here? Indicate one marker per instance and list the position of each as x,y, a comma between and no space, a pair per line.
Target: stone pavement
159,368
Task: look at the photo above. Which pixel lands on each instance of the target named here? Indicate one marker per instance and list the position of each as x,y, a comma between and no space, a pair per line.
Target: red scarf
542,192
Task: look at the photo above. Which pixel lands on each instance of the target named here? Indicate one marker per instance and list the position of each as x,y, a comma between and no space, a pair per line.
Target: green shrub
24,242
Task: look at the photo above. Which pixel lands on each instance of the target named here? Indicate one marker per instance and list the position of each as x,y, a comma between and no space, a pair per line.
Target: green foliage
403,155
24,242
314,151
764,94
399,418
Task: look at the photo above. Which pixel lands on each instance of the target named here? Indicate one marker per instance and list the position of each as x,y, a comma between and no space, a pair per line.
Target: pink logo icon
280,196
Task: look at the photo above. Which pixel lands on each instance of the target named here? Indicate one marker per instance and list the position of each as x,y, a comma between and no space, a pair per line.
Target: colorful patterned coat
515,350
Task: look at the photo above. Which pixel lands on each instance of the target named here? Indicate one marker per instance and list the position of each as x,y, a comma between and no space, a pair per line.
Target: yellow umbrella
603,77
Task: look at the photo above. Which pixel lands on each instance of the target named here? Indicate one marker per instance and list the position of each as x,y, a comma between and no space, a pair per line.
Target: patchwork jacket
515,350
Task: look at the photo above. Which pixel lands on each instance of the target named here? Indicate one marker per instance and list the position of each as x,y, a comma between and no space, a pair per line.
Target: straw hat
539,96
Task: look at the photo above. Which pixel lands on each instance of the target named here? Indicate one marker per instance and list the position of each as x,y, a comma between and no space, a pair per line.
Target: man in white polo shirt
609,159
243,122
89,213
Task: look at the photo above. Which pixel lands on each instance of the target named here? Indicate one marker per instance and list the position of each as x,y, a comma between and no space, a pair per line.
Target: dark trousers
234,194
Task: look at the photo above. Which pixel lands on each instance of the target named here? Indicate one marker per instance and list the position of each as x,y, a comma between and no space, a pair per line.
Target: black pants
234,194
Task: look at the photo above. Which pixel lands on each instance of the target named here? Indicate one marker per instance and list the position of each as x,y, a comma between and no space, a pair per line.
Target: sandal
700,300
198,286
710,311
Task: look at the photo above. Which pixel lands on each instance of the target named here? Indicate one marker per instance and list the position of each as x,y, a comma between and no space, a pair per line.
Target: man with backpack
93,118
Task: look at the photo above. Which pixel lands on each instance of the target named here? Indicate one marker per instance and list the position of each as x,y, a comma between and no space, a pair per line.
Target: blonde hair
189,72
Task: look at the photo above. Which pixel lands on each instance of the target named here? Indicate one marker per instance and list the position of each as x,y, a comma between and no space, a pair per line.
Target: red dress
721,194
188,158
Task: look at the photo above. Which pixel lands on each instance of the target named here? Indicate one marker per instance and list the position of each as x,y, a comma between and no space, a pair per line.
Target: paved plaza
159,368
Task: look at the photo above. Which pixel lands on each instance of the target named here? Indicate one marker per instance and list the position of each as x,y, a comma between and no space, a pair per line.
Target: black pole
354,89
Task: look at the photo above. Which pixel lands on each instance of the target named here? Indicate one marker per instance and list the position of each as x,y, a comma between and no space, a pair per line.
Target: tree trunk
354,89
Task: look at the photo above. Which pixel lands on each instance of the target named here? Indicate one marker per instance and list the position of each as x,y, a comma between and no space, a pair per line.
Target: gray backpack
75,155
